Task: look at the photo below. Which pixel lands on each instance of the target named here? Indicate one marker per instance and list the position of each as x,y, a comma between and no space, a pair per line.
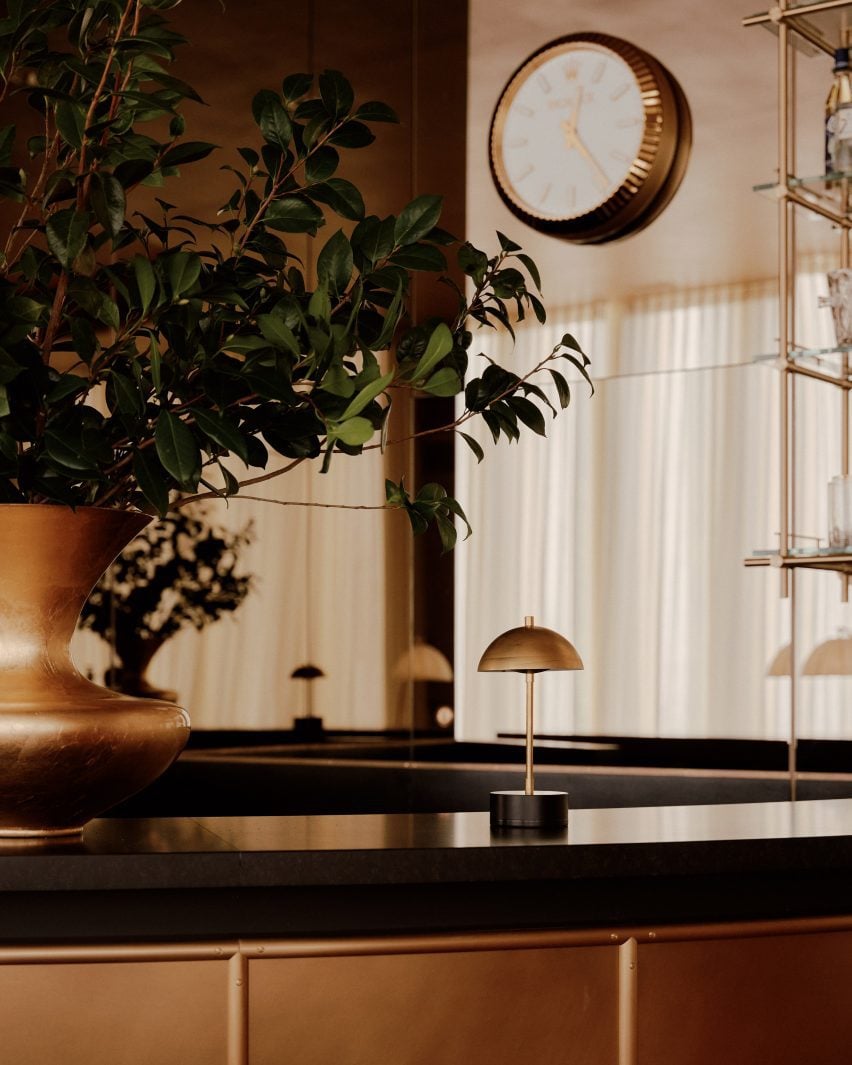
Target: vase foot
40,833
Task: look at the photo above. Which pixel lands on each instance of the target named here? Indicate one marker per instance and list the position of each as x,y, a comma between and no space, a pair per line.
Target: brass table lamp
529,650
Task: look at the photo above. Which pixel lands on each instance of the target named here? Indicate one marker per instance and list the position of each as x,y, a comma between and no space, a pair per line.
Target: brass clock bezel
657,169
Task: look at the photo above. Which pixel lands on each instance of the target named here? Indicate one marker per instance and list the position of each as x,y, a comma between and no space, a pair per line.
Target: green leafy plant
148,361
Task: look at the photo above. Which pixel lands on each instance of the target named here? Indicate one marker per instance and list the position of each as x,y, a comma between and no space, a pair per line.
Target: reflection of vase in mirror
69,749
182,571
135,655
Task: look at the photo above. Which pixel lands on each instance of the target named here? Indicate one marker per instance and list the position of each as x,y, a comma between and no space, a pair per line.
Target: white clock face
571,133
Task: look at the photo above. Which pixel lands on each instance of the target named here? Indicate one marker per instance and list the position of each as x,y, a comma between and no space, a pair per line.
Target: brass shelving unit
815,29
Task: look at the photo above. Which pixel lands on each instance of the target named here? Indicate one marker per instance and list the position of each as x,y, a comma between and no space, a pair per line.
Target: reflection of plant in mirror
209,340
181,571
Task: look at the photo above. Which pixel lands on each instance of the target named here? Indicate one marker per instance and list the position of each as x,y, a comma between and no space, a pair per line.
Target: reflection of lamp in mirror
530,650
781,665
308,726
423,662
831,658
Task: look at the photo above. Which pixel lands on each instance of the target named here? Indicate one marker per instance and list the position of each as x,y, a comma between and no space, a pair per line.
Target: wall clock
590,139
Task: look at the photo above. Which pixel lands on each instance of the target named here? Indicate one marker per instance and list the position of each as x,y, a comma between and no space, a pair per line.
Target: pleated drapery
627,528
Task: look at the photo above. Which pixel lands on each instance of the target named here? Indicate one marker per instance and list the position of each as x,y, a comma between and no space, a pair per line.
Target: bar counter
685,935
351,874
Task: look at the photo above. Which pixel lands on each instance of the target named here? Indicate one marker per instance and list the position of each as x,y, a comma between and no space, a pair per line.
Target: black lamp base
308,729
516,809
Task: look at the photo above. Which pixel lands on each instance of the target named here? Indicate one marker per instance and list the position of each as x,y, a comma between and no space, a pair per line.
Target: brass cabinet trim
250,950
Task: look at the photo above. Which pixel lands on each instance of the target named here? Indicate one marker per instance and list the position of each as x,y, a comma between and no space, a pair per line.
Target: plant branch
296,503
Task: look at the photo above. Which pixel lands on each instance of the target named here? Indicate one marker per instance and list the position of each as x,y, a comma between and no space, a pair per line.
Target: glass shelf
815,31
825,361
837,559
819,192
806,552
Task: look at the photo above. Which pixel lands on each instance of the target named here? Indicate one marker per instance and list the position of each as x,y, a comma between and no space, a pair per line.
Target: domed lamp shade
529,649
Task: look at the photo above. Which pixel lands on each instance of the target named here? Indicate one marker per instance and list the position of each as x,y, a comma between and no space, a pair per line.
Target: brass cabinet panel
779,1000
541,1007
120,1013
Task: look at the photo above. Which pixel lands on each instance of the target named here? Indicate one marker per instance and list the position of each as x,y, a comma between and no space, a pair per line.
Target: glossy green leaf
272,119
278,333
444,382
532,270
420,257
296,86
376,111
581,367
67,231
177,449
221,431
341,196
106,196
71,122
336,93
507,244
127,395
367,395
528,413
146,281
187,152
294,214
562,389
69,384
155,362
352,135
334,262
474,446
151,479
183,269
417,218
439,346
353,432
321,164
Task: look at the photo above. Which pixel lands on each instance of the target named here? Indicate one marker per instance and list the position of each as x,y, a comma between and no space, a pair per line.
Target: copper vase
69,749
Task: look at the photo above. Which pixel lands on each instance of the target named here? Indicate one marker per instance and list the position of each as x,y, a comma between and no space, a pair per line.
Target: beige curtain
626,530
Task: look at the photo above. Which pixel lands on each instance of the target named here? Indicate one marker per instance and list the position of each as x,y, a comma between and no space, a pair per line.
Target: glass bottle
838,116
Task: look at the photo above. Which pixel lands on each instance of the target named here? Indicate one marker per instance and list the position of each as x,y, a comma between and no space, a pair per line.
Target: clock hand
574,141
571,123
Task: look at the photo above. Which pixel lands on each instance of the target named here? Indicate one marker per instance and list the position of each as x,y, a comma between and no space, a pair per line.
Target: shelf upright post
786,304
844,367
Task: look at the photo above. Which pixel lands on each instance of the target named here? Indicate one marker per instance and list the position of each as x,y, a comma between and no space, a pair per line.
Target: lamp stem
529,781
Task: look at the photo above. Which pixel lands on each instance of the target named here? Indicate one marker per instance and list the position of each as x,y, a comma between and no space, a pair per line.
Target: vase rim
67,506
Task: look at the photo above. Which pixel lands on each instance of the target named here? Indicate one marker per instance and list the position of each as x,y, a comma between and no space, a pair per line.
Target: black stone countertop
375,873
217,852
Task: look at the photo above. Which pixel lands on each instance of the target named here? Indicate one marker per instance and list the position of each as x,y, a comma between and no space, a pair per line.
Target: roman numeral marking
620,156
545,193
542,83
571,196
525,173
571,70
628,123
522,109
597,73
616,94
517,142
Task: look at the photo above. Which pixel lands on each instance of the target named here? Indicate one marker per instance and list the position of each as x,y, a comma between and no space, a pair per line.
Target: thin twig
299,503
